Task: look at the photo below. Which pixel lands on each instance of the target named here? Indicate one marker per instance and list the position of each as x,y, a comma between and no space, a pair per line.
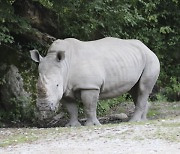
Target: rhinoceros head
50,82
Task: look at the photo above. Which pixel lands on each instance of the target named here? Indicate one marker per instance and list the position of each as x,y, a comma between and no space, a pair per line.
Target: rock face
12,89
43,21
40,17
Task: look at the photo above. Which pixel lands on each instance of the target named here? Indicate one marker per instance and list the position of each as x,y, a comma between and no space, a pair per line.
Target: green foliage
17,112
155,22
105,106
46,3
11,23
170,92
4,35
87,20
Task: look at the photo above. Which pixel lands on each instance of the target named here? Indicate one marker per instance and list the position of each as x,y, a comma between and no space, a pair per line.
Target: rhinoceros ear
36,56
60,56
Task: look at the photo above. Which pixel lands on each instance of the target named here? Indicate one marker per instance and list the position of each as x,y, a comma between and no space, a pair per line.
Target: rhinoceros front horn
41,89
42,92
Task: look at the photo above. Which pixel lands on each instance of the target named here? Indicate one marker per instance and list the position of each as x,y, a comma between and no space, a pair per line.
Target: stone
121,116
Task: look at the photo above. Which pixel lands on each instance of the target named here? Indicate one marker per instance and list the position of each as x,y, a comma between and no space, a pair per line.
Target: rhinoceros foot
137,119
73,124
92,123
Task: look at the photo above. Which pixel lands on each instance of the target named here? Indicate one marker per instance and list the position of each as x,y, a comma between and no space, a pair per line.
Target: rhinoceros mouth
44,117
46,114
46,109
47,105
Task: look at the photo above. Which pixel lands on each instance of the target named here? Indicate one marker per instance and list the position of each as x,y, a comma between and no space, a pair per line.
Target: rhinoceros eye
57,85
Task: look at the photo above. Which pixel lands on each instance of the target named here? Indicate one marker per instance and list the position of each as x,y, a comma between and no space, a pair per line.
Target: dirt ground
160,136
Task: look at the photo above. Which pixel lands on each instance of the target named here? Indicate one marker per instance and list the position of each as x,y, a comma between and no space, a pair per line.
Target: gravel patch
159,136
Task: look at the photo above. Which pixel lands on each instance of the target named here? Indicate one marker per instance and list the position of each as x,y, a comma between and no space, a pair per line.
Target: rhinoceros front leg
89,99
72,109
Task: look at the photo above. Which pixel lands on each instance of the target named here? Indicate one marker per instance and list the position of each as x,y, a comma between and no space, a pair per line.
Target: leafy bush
105,106
11,23
155,22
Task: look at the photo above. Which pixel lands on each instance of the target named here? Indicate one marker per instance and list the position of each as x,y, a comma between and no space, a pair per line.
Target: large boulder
12,93
41,18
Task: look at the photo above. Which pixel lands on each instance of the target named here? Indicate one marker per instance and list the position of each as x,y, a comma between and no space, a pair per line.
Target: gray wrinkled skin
94,70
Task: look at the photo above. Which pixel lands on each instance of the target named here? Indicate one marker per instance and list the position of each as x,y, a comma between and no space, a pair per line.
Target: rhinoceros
88,71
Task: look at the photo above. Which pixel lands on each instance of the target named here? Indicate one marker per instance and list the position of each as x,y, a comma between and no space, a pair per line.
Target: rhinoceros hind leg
73,112
140,93
144,115
140,110
89,99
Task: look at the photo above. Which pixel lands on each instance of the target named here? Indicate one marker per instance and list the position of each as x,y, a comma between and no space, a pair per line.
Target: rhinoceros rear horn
60,56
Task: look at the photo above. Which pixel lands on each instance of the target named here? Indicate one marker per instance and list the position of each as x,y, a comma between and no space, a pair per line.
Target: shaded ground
154,136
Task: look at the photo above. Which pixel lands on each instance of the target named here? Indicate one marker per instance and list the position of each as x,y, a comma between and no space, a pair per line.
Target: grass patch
170,135
153,113
16,139
16,136
139,138
174,124
174,107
